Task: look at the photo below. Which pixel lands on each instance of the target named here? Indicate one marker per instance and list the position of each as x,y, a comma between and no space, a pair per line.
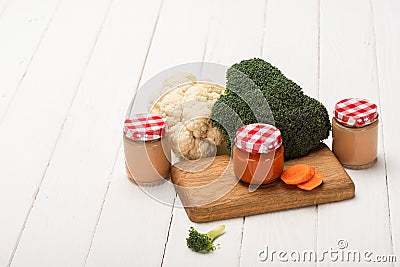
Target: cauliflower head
187,107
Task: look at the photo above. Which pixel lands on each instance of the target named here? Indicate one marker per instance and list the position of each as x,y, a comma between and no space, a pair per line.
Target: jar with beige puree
355,133
147,150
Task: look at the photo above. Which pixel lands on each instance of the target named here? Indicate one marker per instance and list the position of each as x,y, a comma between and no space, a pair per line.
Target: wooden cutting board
210,191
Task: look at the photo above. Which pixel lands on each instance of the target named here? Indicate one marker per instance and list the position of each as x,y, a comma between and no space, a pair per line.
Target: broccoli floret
203,242
256,91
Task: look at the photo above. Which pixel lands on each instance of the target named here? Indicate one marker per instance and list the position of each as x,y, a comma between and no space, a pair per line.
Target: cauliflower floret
182,140
174,117
169,103
207,148
188,111
215,135
198,127
196,91
194,108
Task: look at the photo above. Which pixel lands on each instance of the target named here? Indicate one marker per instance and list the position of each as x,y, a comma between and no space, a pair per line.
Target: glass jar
355,133
258,154
147,151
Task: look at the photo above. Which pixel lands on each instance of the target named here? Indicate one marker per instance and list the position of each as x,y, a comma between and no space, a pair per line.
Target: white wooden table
68,70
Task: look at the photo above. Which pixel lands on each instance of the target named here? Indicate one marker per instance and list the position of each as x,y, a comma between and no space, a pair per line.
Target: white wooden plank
22,27
236,31
387,33
133,226
139,238
348,69
63,220
228,41
180,37
3,6
32,126
291,44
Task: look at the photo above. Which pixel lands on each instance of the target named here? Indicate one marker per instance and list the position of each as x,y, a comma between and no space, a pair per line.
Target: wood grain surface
198,185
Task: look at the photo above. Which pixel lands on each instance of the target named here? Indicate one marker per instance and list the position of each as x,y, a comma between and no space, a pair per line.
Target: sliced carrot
313,182
297,174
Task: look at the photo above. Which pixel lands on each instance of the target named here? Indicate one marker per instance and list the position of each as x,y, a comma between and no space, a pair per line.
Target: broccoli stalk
204,242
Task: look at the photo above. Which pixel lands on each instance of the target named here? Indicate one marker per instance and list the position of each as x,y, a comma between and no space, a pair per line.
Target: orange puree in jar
264,167
258,154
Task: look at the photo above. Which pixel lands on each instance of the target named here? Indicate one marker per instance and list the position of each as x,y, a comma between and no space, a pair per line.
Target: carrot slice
297,174
313,182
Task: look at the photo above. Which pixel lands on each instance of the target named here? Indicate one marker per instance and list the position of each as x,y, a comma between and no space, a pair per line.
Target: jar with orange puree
258,156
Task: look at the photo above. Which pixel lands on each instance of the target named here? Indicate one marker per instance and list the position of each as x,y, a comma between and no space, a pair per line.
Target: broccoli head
255,92
203,242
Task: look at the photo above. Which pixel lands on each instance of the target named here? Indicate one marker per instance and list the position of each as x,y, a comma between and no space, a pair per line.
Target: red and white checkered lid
258,138
145,127
355,112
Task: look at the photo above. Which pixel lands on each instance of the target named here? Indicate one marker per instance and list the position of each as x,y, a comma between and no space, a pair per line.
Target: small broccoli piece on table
203,242
255,92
